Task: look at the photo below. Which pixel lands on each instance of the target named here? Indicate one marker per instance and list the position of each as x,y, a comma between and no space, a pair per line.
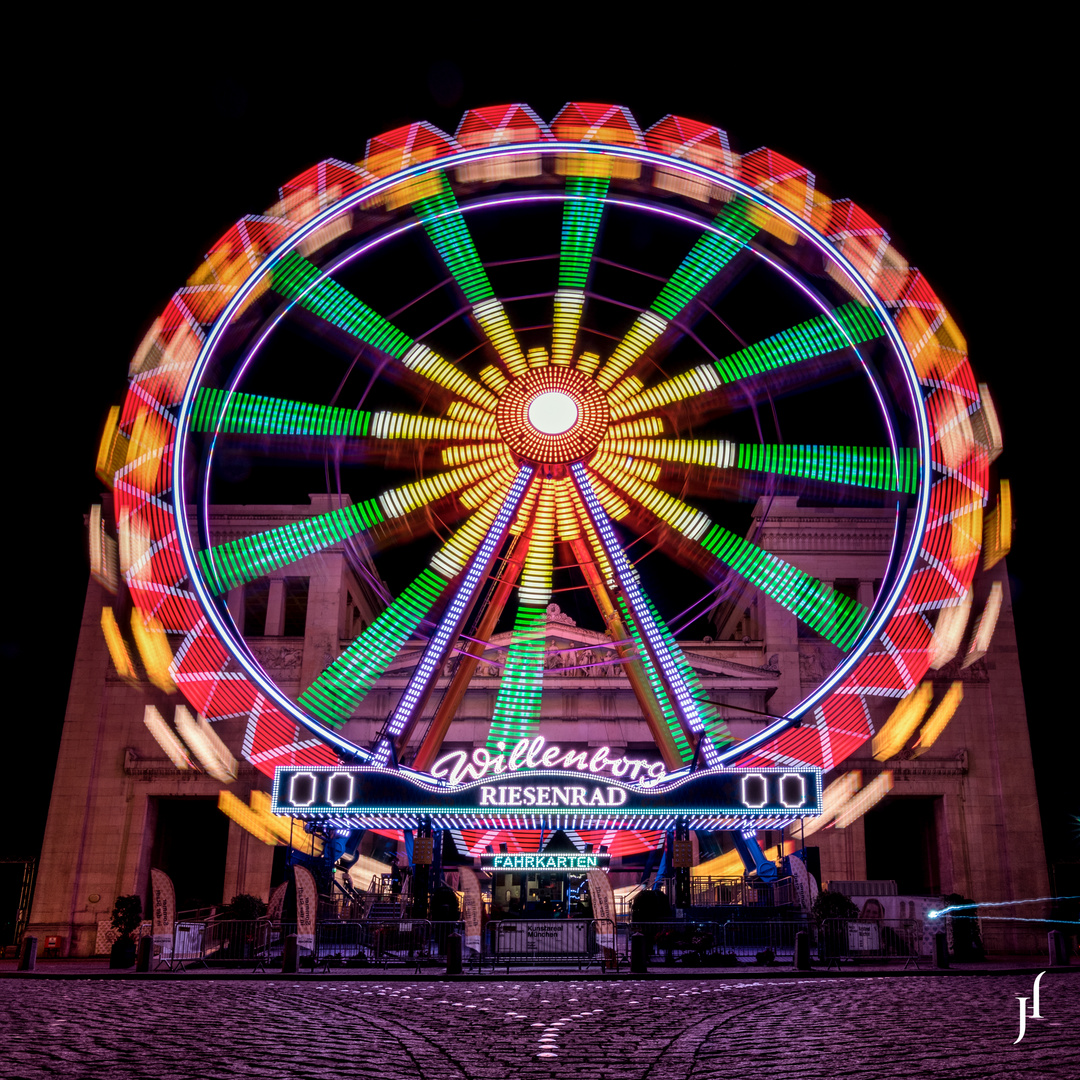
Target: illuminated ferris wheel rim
443,164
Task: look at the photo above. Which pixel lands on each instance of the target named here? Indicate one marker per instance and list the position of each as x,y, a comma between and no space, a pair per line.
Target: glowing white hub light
553,412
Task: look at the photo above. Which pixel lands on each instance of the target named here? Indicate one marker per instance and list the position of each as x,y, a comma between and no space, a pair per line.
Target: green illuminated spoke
448,231
444,224
236,562
582,212
873,467
297,279
517,707
709,255
712,252
850,324
218,411
831,614
343,685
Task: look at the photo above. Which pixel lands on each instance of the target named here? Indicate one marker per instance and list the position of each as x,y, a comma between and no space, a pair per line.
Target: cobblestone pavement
954,1028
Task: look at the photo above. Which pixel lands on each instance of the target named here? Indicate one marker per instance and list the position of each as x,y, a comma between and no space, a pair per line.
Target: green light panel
228,565
831,614
706,259
293,278
344,684
814,337
444,224
686,751
861,466
517,708
582,212
253,414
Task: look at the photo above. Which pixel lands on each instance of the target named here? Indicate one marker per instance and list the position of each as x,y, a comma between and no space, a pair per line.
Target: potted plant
126,918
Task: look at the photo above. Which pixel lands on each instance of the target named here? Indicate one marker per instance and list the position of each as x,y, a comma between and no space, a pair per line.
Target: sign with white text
379,798
558,864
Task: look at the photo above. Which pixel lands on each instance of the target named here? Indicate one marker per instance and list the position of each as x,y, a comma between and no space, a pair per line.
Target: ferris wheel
539,362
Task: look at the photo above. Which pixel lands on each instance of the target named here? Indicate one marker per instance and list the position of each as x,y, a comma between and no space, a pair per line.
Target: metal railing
552,941
260,943
874,939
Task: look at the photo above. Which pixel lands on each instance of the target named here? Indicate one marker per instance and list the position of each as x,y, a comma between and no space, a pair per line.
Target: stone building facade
962,818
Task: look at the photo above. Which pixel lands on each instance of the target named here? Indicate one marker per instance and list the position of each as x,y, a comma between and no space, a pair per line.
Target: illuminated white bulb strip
714,453
646,329
446,633
432,366
399,501
386,425
491,316
568,307
699,380
627,578
690,522
454,555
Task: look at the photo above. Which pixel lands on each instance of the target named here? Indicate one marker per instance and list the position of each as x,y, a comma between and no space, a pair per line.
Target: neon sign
551,863
709,798
459,767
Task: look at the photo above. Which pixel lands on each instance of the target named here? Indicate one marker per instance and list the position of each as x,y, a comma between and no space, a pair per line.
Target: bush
245,906
766,956
127,915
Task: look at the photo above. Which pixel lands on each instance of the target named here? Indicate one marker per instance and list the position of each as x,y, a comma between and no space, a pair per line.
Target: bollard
941,949
453,954
145,954
639,957
802,951
290,960
1055,941
28,953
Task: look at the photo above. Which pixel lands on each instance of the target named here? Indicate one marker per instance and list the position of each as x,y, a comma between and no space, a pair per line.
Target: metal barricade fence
375,941
762,940
230,942
673,941
547,941
875,939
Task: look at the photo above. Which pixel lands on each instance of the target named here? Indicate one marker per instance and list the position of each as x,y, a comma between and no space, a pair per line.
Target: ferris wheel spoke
730,232
517,707
298,280
300,428
688,699
831,614
449,233
403,719
719,463
344,683
237,562
582,213
848,325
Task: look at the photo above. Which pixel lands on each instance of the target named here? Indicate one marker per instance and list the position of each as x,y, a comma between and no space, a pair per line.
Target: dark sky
139,148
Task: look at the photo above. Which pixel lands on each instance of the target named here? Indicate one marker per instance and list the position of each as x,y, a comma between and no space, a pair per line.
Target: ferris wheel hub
553,412
552,415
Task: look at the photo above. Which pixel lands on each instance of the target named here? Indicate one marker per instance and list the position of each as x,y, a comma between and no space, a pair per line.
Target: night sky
137,149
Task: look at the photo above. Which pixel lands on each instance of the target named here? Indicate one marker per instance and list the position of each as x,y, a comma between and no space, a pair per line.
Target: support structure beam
470,658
